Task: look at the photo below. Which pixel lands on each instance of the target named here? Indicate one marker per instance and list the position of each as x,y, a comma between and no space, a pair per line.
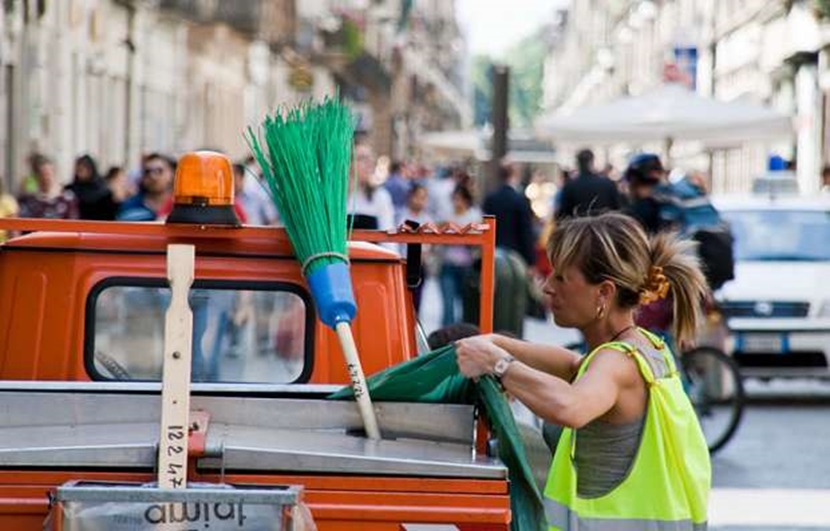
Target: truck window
260,335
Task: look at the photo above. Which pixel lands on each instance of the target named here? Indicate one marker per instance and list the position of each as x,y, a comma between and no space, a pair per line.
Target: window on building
241,333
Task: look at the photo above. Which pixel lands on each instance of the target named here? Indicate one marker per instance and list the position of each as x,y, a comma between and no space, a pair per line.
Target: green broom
305,157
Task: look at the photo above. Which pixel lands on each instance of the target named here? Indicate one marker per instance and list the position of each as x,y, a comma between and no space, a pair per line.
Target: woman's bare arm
548,396
572,405
550,359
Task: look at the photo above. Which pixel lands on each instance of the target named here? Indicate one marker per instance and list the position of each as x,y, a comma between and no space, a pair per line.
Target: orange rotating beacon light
203,190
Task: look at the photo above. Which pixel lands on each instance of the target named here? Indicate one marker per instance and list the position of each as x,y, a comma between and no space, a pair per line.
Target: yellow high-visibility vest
667,487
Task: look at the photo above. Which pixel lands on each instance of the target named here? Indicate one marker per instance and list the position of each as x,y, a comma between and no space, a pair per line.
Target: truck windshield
239,335
780,235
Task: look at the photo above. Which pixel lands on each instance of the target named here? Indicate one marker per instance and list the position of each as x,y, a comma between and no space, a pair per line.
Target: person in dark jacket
514,219
588,193
644,174
95,199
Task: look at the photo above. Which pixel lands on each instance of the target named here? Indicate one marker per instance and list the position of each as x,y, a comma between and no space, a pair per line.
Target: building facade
118,78
399,62
768,52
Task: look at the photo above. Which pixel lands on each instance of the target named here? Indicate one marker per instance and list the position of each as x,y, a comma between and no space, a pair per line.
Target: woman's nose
547,286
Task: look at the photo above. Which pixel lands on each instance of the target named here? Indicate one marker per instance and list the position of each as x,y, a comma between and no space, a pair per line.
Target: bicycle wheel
714,385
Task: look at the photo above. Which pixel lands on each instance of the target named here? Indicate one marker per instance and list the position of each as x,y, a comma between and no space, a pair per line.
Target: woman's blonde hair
615,247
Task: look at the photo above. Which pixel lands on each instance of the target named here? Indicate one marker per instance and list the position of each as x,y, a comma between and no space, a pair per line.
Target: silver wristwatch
501,366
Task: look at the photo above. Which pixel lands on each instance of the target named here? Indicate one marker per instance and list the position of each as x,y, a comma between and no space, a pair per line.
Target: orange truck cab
82,316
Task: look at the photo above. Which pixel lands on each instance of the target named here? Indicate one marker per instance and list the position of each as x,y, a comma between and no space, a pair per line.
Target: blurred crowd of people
384,193
142,194
390,192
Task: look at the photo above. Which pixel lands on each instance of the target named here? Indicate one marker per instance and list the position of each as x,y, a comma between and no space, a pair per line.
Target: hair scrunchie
656,287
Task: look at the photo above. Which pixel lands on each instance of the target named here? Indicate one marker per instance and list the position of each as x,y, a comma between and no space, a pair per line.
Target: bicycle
713,382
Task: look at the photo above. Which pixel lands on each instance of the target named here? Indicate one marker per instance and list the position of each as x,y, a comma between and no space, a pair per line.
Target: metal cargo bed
90,425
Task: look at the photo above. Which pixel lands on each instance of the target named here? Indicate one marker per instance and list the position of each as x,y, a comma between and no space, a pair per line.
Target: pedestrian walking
154,193
632,454
28,184
248,204
514,218
456,260
440,187
48,200
238,187
95,199
370,204
644,174
588,193
116,179
398,185
255,198
416,210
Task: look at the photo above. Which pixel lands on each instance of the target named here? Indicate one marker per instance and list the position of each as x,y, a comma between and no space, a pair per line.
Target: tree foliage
526,61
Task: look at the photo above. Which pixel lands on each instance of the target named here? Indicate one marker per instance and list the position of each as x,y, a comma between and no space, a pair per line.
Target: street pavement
775,473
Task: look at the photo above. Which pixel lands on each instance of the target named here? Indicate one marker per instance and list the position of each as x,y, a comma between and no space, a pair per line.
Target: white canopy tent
668,113
523,146
451,143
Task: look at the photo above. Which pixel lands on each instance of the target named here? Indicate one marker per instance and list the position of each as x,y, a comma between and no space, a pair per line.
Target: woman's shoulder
607,356
618,359
647,348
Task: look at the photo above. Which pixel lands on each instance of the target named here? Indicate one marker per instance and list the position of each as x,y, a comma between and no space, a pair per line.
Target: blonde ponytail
676,261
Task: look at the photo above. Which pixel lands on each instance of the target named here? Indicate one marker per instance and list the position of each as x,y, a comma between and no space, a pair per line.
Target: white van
778,306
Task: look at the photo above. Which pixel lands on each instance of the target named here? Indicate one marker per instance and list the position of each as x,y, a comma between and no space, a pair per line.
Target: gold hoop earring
600,311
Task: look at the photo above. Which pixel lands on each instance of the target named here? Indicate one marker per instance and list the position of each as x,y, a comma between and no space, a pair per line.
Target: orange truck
82,308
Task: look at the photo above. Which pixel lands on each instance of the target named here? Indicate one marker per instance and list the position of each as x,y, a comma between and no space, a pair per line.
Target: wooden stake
175,388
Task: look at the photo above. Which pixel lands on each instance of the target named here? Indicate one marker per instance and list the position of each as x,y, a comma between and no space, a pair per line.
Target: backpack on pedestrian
686,209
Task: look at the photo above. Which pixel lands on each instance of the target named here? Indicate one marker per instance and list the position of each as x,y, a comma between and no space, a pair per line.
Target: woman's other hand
478,355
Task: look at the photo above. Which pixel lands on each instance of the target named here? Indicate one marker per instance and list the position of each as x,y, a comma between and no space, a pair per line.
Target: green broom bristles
305,155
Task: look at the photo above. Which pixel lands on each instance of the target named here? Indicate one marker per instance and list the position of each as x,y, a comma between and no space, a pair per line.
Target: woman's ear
608,291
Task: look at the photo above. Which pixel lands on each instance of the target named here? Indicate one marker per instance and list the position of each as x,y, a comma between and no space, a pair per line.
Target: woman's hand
478,355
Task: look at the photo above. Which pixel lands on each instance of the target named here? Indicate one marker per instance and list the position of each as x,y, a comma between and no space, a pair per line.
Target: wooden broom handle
361,392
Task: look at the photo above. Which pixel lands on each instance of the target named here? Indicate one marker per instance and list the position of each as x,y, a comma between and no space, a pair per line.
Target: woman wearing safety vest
632,455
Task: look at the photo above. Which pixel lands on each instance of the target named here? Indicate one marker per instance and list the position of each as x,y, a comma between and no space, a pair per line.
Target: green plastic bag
434,378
